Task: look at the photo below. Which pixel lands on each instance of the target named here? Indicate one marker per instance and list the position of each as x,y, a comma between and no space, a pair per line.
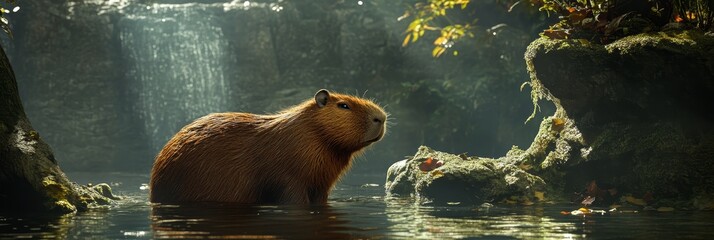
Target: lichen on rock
459,179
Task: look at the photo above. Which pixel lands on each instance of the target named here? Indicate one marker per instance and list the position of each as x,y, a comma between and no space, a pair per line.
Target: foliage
426,16
607,20
4,23
601,21
697,12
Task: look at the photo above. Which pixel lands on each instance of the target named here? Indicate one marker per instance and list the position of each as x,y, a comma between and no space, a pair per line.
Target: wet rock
95,195
471,180
642,105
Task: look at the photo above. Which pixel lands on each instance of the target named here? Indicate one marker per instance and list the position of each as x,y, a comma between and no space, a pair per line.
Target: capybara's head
349,122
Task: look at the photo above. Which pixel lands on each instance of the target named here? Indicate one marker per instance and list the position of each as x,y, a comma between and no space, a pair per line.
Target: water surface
357,209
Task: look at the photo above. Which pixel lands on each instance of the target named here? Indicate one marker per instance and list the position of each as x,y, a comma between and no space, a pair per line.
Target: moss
54,189
63,206
679,41
57,194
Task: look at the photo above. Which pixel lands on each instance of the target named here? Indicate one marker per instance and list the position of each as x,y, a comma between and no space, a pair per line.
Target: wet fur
295,156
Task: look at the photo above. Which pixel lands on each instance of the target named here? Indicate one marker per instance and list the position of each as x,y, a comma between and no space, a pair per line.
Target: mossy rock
469,180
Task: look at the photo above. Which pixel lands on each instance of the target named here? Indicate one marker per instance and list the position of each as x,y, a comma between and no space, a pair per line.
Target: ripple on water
355,210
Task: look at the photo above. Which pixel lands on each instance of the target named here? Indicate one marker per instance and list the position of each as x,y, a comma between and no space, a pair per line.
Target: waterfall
175,56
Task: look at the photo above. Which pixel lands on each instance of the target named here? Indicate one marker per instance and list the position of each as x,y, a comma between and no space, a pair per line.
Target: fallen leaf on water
580,212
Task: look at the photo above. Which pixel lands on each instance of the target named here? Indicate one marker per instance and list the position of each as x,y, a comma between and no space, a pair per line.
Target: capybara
293,157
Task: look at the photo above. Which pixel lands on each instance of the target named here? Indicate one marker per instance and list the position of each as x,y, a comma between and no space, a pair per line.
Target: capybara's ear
321,97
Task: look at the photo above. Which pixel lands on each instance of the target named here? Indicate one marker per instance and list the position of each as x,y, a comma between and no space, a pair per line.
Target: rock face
636,114
459,179
30,178
643,104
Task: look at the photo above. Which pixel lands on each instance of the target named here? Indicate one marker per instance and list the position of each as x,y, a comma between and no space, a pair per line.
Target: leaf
438,50
406,40
413,25
431,164
440,41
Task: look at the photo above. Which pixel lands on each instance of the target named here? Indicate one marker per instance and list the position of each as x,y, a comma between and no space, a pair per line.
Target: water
355,210
174,55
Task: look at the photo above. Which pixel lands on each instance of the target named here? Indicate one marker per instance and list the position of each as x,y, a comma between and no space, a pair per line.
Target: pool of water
357,209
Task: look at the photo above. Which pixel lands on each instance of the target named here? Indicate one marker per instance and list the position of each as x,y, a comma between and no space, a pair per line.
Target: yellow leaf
413,25
415,36
584,210
406,40
438,50
440,41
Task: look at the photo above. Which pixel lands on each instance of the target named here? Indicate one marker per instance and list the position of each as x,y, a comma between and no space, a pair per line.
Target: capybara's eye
343,105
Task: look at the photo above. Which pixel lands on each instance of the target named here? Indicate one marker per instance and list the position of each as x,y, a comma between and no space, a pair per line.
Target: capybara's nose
378,119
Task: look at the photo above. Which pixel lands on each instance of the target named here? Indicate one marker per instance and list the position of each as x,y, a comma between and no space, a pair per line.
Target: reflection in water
460,222
355,210
248,221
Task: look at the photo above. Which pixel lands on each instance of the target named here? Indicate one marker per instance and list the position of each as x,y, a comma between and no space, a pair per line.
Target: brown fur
295,156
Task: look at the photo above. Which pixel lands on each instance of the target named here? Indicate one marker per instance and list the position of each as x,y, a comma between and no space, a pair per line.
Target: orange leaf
430,164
